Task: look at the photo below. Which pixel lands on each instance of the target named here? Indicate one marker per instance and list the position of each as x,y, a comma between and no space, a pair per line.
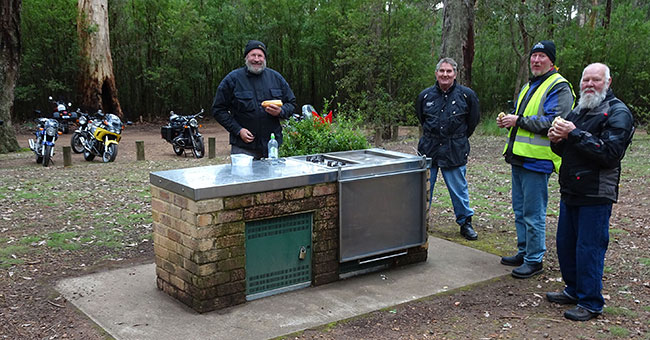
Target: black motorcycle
82,134
47,132
183,133
62,115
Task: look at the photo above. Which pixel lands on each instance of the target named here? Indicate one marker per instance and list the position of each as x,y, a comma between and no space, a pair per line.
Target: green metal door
278,255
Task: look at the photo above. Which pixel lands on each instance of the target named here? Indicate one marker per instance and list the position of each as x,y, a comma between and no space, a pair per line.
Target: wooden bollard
139,147
212,147
67,156
394,133
378,137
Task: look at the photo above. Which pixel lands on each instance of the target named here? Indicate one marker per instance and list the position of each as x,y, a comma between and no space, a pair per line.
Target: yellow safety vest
528,144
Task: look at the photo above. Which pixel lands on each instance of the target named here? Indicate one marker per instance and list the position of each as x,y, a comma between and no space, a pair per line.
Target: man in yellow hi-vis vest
546,96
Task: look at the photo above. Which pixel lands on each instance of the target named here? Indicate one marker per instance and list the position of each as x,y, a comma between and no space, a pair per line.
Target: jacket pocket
244,101
276,93
583,182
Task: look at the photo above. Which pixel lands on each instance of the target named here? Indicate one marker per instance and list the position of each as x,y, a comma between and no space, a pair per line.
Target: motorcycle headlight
194,123
82,120
50,131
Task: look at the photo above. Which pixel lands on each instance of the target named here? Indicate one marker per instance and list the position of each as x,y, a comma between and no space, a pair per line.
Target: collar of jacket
250,74
541,78
451,88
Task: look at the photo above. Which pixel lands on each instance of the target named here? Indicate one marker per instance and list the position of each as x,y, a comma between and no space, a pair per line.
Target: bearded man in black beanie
237,105
528,151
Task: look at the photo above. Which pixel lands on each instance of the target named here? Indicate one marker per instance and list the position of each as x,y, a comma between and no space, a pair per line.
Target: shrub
307,137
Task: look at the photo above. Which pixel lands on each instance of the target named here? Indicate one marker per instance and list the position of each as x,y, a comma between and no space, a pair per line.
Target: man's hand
507,121
273,110
560,130
246,135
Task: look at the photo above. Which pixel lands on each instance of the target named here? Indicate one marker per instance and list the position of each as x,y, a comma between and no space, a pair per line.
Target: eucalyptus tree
97,88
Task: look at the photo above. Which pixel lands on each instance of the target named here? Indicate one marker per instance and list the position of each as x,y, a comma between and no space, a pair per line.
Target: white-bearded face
594,85
255,61
590,99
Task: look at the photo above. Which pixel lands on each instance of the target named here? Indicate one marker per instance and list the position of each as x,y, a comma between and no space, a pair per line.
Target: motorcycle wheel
39,159
75,143
178,150
110,154
89,156
199,148
66,129
46,155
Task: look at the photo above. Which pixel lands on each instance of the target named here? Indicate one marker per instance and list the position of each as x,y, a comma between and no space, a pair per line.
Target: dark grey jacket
592,153
237,105
448,120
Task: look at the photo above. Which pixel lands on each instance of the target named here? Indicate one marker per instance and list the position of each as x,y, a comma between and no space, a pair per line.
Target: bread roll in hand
276,102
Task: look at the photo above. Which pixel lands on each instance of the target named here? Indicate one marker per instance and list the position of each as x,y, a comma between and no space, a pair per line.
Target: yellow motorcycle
105,135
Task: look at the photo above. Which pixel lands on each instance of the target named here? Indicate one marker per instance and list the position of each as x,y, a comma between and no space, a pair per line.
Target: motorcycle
47,132
82,134
62,115
183,133
104,136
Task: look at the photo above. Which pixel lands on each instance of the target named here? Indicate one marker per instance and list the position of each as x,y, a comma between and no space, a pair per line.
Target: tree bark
97,84
458,36
608,14
9,63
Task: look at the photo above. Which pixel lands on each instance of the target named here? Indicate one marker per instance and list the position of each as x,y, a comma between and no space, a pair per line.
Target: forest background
366,58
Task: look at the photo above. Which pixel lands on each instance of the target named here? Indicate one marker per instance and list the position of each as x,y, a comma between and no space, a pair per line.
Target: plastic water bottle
273,149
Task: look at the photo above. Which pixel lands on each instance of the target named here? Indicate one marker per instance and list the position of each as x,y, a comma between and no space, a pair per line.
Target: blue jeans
457,187
529,200
582,239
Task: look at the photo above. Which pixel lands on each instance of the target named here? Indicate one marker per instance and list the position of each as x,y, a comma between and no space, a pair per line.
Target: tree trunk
97,83
458,36
608,14
9,62
524,59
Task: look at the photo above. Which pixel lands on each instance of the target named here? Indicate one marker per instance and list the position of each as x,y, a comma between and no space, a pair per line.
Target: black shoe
515,261
580,314
468,232
560,298
527,270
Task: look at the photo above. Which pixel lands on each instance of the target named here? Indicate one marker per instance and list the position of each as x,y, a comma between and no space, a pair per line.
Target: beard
591,100
255,69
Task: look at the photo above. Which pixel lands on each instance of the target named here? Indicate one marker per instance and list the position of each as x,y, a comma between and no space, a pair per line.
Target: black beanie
253,44
547,47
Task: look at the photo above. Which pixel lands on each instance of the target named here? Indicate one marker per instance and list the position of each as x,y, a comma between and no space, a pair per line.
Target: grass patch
27,240
619,332
620,311
6,258
618,232
63,240
644,261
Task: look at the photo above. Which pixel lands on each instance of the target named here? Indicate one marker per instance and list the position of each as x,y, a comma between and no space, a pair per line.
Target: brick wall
200,245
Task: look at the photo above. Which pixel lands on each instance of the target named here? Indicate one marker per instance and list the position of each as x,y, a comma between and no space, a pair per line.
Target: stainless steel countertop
224,180
207,182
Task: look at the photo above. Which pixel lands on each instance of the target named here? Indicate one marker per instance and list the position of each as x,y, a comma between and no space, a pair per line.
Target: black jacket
592,153
448,119
237,105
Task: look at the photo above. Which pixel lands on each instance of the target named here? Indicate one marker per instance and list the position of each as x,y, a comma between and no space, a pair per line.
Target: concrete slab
127,304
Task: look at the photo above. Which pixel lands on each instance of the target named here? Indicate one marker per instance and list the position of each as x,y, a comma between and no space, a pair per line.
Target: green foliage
378,55
50,55
307,137
383,59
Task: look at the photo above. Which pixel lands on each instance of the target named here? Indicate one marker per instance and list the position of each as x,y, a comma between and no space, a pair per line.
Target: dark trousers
582,239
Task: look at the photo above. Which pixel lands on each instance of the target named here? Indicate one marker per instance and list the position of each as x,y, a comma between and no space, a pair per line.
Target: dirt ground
504,308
